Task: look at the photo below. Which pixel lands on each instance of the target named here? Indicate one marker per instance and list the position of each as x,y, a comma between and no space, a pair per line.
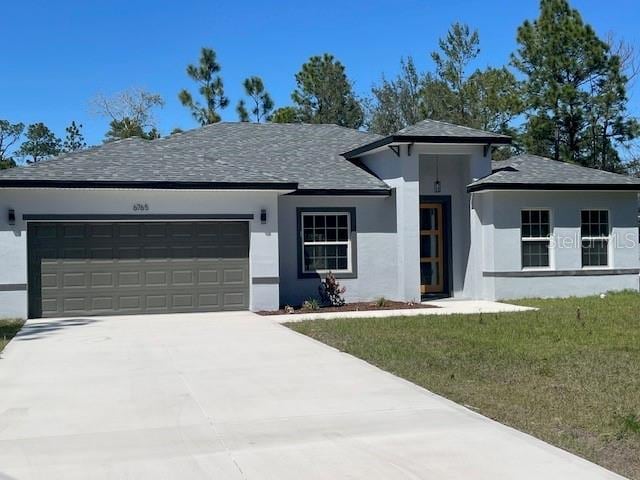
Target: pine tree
324,94
574,89
41,144
262,102
211,89
74,140
9,134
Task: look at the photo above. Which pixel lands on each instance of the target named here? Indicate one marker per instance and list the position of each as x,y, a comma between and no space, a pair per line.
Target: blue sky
61,54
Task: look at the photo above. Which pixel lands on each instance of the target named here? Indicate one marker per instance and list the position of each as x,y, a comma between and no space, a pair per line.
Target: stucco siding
263,253
499,213
376,241
561,287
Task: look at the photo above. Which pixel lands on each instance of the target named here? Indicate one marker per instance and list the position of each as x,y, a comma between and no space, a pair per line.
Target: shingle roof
435,128
432,131
541,173
263,155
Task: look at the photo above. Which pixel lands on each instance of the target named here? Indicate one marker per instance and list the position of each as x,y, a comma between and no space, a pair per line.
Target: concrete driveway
234,396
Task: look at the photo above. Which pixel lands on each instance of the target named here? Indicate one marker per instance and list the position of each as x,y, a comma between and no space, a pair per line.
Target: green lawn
8,328
572,379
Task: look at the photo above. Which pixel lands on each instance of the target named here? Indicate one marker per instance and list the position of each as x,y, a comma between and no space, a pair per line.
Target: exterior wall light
11,217
263,216
436,185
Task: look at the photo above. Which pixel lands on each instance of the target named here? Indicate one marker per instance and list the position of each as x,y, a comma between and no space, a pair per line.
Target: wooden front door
432,259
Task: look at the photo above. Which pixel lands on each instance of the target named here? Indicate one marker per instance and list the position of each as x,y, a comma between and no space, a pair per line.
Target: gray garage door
143,267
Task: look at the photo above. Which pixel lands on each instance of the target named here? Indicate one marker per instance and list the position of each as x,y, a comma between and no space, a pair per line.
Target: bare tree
130,112
628,55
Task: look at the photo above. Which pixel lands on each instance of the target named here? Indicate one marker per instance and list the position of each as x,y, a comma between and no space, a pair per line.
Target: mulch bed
350,307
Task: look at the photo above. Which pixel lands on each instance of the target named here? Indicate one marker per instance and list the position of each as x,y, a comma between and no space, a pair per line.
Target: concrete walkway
236,396
444,307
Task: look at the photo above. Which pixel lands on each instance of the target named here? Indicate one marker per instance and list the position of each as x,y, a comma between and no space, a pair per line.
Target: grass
568,373
8,328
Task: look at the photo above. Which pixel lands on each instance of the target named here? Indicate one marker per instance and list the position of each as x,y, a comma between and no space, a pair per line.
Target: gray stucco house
250,216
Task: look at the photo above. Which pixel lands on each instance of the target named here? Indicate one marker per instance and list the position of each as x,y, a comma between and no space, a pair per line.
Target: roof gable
436,128
432,131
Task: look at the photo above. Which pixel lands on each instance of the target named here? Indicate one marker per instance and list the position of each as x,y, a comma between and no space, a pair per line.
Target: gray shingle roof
223,153
534,172
435,128
431,131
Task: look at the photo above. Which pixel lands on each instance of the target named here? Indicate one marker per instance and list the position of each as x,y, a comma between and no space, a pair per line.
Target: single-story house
251,216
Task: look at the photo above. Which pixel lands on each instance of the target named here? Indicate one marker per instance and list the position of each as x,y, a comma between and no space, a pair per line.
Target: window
326,242
594,232
535,238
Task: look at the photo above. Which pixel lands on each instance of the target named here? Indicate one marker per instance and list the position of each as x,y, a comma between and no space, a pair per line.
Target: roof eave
475,140
147,185
346,192
554,186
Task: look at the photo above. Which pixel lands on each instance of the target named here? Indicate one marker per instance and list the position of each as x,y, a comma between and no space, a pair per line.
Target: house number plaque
140,207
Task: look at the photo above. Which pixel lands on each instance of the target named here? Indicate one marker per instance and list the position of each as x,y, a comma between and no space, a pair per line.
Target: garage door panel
102,303
208,277
182,278
101,279
74,304
154,230
74,279
233,276
156,278
160,267
209,301
233,300
73,231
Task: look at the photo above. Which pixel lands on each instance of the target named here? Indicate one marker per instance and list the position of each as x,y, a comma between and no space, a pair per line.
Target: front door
432,258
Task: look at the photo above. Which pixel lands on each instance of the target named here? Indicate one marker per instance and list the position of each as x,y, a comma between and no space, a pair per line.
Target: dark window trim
134,217
447,279
13,287
353,239
265,280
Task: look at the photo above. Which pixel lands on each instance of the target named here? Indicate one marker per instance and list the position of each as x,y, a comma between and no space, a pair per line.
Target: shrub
331,291
311,304
381,302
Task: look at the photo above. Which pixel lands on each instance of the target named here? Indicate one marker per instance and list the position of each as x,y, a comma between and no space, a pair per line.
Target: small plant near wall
331,292
310,304
381,302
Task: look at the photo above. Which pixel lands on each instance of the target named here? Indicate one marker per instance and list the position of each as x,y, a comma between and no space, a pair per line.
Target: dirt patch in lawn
351,307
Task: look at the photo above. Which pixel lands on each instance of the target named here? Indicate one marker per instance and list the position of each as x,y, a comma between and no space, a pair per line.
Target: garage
118,268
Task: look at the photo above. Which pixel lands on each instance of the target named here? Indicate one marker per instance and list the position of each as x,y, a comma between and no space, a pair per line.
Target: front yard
568,373
8,328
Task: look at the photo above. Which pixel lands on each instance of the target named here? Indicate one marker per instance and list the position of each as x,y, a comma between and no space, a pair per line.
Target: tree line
563,94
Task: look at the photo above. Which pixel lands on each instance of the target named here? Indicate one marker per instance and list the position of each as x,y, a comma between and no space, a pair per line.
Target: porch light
436,185
11,217
263,215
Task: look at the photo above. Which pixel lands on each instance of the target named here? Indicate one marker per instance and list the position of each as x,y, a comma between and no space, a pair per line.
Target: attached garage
117,268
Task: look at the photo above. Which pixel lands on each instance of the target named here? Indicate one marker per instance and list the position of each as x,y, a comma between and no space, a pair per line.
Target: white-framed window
594,234
326,242
535,238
